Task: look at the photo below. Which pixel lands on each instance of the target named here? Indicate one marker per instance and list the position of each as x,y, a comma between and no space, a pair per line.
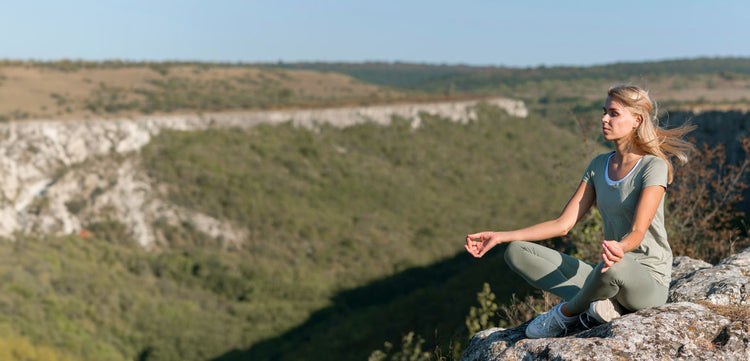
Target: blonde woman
628,187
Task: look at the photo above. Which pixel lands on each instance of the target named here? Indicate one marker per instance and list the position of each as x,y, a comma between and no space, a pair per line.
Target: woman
628,186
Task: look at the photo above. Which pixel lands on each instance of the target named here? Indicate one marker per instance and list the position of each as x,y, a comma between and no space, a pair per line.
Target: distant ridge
421,76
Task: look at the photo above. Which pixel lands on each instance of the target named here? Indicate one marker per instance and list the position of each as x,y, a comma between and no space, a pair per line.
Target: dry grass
69,90
37,92
736,313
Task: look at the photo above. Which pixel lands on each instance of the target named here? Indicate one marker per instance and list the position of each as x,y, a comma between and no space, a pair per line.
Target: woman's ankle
565,312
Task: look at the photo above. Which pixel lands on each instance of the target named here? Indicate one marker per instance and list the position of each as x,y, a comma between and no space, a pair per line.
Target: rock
707,318
727,283
683,266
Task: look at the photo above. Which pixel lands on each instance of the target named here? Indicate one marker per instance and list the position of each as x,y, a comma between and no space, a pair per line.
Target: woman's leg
627,280
547,269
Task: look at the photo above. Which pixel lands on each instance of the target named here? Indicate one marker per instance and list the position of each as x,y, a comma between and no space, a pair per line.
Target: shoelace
547,324
586,321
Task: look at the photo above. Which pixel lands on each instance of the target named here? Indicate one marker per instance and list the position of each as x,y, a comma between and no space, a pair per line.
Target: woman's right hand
479,243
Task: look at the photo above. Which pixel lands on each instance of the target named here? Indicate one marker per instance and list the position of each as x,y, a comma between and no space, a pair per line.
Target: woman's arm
648,204
576,208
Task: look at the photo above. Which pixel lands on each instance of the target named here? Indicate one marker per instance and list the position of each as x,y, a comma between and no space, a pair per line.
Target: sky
472,32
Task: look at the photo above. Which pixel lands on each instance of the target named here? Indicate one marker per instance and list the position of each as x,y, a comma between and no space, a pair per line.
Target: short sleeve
655,173
588,175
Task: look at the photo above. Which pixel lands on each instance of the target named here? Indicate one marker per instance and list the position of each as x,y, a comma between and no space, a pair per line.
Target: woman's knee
515,252
614,275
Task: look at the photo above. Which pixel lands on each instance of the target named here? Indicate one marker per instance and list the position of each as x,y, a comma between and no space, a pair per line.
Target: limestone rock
717,328
727,283
684,266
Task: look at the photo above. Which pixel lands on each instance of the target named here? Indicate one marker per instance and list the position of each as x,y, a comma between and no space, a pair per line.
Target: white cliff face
59,176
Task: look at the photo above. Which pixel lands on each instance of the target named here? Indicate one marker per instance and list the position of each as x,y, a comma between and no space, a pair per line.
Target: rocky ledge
707,318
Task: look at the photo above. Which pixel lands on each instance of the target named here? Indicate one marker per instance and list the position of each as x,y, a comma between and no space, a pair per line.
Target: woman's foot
551,324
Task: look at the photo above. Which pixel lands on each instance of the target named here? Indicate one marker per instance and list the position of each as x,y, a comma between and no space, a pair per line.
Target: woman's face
618,122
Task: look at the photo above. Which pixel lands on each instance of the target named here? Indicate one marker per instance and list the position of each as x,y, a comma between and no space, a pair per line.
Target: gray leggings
581,283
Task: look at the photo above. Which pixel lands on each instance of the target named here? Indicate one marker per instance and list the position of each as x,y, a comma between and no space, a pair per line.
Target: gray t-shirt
617,202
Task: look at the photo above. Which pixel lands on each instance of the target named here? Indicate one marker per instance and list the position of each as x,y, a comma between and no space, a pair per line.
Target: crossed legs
581,283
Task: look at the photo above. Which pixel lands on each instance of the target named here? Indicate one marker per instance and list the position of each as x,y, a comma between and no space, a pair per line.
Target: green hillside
354,235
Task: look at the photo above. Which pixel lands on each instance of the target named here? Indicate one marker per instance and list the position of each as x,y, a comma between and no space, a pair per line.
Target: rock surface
59,176
707,318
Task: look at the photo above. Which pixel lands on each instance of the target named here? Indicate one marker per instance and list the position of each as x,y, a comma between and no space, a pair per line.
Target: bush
702,216
411,350
481,318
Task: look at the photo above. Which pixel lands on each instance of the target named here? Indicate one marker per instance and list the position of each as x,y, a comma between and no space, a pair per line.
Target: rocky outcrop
59,176
707,318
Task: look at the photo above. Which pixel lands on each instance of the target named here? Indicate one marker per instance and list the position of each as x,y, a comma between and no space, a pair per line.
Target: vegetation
480,318
369,197
556,92
355,234
390,202
80,89
331,192
93,300
323,203
472,78
705,221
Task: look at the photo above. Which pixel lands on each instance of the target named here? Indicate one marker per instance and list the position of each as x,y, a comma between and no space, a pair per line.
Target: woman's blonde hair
649,137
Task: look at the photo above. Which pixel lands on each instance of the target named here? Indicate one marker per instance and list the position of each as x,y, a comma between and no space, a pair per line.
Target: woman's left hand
612,254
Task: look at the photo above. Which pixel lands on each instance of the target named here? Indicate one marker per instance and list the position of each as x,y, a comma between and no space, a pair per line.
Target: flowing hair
649,137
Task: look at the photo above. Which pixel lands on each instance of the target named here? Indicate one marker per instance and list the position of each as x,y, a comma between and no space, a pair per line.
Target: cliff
707,317
59,176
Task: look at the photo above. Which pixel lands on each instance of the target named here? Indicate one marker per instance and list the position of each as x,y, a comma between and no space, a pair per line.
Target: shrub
702,216
411,350
480,318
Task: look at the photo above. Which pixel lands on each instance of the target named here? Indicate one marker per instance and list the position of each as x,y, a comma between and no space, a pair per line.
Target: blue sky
476,32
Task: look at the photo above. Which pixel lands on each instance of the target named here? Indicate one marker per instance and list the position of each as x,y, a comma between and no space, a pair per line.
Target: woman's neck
626,151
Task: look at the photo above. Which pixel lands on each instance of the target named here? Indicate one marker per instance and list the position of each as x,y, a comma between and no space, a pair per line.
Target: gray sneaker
549,324
600,312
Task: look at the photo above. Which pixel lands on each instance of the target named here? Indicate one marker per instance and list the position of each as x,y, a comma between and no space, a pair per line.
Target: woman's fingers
613,252
608,255
474,251
472,246
607,263
470,250
480,243
615,248
476,247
